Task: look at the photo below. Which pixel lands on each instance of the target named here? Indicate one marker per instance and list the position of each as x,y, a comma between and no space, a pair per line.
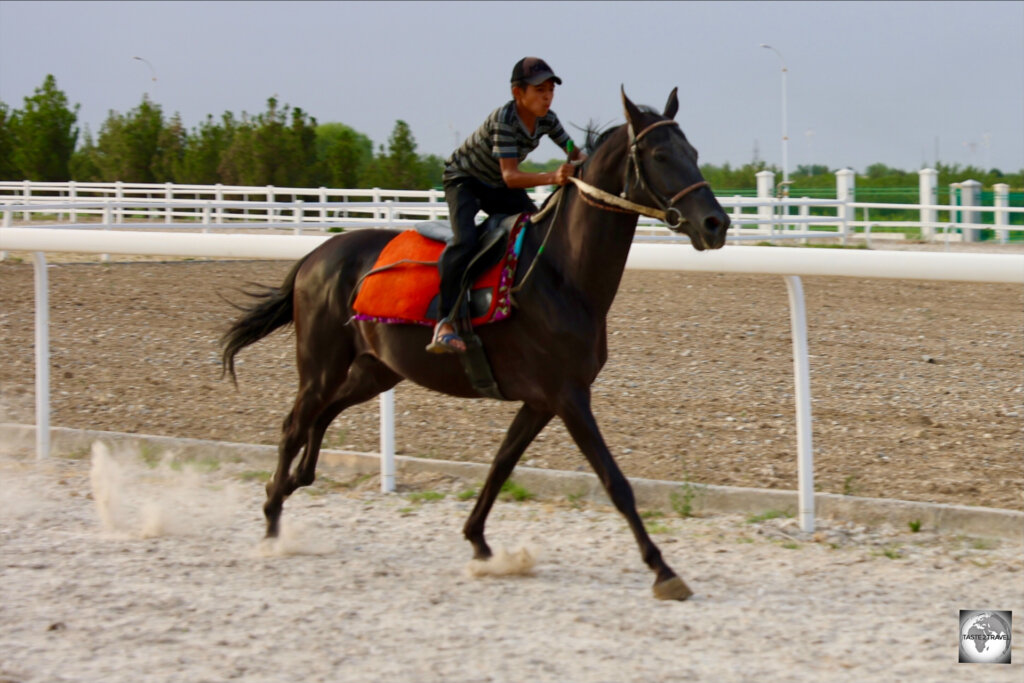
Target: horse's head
661,170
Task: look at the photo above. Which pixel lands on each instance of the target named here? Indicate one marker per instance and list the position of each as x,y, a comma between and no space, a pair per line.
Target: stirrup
443,343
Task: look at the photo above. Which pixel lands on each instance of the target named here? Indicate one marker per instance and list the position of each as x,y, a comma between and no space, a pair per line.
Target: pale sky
889,82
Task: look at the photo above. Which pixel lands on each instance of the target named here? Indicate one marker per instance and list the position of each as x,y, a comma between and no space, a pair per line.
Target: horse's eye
661,156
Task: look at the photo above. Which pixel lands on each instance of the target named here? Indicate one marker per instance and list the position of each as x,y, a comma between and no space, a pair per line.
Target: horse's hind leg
315,407
527,424
295,433
319,380
366,379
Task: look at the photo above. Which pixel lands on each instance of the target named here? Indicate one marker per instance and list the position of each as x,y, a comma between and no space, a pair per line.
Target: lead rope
529,271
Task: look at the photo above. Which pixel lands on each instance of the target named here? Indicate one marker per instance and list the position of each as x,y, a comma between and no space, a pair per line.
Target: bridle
607,201
668,213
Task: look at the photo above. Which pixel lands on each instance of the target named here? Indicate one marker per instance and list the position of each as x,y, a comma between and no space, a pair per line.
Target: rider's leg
463,205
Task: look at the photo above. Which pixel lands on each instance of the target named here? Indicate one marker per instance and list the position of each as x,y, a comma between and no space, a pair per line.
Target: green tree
725,177
170,152
8,171
44,134
129,144
342,154
205,147
278,147
401,168
84,163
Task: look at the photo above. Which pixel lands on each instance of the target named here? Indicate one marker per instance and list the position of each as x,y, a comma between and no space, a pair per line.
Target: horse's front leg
579,419
527,424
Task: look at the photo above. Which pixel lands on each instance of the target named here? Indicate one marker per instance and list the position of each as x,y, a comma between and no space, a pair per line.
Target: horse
545,356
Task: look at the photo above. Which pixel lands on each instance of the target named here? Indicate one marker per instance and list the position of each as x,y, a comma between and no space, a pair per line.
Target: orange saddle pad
402,293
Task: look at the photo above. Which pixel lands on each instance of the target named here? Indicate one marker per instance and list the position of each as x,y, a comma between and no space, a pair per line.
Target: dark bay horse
545,356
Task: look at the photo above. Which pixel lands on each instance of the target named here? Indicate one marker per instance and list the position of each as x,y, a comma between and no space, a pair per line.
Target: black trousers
466,197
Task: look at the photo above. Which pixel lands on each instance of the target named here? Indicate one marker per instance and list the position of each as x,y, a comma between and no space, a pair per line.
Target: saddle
403,287
495,232
404,284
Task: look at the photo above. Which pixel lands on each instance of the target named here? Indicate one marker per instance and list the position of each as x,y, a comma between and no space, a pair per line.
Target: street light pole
151,70
785,134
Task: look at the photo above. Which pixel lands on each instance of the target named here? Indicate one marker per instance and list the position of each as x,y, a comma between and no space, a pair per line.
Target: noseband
668,213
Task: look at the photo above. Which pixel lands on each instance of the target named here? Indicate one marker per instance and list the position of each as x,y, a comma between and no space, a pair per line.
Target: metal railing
788,262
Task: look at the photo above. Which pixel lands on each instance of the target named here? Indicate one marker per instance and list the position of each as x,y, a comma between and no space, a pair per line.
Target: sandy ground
917,385
114,570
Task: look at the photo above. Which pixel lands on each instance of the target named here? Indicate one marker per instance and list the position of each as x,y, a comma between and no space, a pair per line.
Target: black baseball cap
533,71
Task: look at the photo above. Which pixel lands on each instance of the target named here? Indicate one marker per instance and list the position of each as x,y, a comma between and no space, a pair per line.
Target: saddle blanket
403,293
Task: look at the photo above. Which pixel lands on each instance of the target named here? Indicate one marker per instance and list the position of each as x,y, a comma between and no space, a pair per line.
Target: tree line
286,147
282,146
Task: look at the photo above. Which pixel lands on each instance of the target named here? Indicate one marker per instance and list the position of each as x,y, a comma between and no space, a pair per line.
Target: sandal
444,343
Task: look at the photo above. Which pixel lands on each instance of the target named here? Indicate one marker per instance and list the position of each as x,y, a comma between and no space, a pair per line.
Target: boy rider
483,174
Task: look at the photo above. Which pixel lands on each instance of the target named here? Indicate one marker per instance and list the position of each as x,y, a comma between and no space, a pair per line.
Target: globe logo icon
985,637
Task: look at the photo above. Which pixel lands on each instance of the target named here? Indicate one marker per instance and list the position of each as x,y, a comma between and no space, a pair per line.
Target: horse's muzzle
714,228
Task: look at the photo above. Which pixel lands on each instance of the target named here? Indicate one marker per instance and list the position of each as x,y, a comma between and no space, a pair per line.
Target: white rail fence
296,209
791,263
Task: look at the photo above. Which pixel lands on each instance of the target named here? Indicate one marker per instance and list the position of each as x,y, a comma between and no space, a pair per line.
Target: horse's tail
272,309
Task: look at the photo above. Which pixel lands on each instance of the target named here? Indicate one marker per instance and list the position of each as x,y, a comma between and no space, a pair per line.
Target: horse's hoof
672,589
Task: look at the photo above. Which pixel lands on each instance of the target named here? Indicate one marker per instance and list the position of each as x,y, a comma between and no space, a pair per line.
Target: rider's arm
515,178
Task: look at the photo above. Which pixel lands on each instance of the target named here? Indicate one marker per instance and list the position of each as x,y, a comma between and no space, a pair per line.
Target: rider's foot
446,340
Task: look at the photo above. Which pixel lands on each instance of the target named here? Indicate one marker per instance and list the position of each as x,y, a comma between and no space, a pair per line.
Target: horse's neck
593,244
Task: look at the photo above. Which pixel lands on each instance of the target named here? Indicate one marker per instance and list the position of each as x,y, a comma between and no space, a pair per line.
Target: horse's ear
632,113
672,106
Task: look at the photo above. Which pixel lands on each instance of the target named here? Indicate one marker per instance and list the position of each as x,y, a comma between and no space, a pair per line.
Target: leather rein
607,201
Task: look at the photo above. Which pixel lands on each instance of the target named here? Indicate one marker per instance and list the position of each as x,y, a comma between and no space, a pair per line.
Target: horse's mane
596,135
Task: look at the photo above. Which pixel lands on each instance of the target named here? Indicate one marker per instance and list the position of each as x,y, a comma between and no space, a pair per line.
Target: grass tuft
513,491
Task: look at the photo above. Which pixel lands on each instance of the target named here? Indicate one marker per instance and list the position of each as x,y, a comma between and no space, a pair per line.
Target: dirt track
128,573
917,385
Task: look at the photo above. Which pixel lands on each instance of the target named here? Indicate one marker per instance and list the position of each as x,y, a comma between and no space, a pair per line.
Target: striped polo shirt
502,136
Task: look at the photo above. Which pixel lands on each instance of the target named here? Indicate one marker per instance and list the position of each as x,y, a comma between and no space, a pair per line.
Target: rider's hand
563,174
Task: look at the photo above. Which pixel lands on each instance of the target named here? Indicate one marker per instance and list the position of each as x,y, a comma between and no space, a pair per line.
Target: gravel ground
917,385
103,577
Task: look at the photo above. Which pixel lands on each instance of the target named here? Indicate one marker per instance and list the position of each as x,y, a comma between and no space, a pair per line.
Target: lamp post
785,135
151,70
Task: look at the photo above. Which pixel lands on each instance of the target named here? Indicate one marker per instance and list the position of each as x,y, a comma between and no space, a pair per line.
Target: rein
611,202
606,201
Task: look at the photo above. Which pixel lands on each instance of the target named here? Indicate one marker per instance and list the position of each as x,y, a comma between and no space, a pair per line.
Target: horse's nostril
712,223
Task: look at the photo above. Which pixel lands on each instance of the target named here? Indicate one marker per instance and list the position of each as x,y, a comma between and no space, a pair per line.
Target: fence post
805,212
970,195
108,219
169,197
6,223
118,198
218,195
378,213
437,197
297,215
765,191
26,197
323,200
387,441
737,210
928,188
1002,218
271,197
802,395
846,186
206,217
390,211
42,339
72,197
